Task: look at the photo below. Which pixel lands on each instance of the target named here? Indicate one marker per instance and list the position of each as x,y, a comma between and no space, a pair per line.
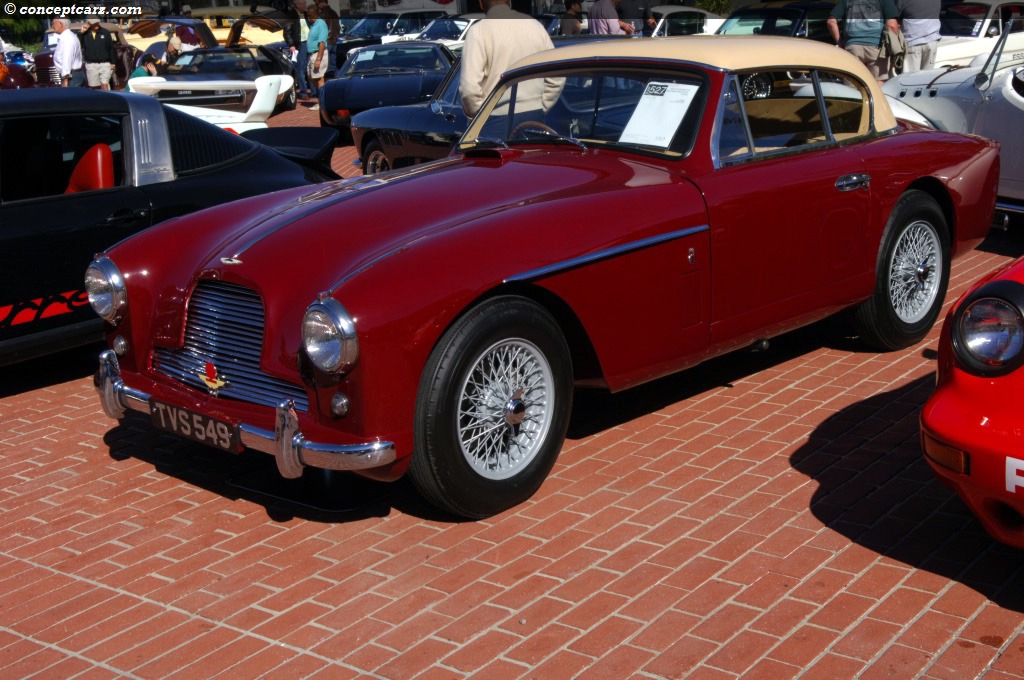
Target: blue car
383,75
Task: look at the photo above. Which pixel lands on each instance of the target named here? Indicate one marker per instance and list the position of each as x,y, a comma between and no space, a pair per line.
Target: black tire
912,275
473,474
374,158
292,100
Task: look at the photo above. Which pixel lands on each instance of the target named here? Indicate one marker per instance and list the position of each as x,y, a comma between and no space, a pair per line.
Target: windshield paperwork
653,111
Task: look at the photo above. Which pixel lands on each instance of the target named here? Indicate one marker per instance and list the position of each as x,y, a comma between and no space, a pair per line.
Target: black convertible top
45,100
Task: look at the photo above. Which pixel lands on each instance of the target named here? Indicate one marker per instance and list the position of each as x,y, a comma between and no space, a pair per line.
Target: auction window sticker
657,116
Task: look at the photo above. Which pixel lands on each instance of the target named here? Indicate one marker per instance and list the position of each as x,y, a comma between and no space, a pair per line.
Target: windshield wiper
490,143
556,135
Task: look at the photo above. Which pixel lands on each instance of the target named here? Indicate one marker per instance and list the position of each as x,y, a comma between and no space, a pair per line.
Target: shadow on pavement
62,367
875,488
318,495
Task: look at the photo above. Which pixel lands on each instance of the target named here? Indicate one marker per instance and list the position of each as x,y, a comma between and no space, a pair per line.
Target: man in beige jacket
493,44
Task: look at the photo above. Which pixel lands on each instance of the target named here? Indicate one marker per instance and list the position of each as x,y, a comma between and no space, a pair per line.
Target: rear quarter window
197,145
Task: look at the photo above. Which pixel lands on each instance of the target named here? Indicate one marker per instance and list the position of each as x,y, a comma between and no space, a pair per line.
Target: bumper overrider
290,449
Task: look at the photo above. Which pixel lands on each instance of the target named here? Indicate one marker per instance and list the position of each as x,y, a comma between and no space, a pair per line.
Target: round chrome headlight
105,287
329,336
992,331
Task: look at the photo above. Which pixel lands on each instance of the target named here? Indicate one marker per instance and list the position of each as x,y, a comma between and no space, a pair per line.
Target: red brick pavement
763,516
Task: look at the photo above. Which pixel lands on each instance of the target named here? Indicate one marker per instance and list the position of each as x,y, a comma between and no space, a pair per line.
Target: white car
986,99
267,90
972,28
450,31
676,20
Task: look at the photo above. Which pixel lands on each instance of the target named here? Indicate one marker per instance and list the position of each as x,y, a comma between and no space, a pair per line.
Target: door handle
857,180
127,215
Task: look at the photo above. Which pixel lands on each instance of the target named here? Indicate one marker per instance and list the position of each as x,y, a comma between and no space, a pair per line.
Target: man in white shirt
67,57
493,44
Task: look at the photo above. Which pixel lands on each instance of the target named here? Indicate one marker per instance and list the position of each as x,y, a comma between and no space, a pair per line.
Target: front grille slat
225,327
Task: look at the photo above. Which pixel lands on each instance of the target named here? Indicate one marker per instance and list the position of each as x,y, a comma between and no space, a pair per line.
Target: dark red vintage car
616,212
971,425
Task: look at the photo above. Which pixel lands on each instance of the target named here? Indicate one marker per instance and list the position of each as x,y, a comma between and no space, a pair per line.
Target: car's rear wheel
492,409
292,100
374,159
912,275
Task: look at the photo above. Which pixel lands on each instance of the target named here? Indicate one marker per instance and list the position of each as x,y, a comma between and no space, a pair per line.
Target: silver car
986,99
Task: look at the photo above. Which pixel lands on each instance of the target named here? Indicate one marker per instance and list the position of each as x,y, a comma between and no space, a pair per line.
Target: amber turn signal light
946,456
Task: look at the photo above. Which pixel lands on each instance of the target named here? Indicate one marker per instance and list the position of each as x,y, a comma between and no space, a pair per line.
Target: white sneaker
314,107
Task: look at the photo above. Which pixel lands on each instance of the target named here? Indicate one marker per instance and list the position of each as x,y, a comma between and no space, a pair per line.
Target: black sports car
396,136
83,169
383,75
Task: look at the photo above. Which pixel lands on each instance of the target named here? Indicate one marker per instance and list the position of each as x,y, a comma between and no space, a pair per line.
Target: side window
1009,13
684,23
783,112
450,96
846,105
42,155
732,134
197,145
817,26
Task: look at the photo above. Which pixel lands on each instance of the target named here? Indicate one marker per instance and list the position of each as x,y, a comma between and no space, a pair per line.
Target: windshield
373,26
396,57
444,29
212,62
762,22
631,109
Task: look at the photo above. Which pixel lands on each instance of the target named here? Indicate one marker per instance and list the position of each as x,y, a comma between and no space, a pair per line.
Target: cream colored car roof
729,53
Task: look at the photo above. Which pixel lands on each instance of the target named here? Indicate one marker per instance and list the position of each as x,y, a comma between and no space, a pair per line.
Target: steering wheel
531,124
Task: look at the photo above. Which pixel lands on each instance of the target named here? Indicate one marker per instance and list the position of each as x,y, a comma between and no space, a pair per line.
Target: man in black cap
98,53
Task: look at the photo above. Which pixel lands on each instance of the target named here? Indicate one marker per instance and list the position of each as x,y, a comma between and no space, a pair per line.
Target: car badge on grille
230,260
210,378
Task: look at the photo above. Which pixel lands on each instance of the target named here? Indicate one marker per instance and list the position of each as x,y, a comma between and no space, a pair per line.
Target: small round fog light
120,345
339,405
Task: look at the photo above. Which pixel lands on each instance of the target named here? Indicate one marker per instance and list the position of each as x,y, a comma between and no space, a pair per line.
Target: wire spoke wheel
915,272
504,409
492,408
911,276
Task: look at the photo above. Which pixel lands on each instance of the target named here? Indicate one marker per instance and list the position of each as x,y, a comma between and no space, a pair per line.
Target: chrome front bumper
285,443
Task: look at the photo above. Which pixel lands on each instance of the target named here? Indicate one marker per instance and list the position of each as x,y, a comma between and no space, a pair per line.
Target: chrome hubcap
915,272
505,408
377,162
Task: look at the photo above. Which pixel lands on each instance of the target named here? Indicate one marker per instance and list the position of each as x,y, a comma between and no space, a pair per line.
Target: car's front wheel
374,159
492,409
912,275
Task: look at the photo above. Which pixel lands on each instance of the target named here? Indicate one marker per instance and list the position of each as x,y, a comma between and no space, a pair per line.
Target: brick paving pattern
763,516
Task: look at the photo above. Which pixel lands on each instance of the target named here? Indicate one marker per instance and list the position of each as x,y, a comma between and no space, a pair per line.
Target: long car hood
297,243
370,90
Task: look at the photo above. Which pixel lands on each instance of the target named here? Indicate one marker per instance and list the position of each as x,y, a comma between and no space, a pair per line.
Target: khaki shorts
97,74
315,74
871,56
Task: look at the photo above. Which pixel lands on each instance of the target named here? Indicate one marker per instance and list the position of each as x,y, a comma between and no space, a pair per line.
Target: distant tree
24,30
719,7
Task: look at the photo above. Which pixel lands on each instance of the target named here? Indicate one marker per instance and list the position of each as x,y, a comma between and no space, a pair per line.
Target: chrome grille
225,327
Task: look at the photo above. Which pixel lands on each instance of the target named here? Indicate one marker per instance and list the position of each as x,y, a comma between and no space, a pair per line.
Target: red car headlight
329,336
988,330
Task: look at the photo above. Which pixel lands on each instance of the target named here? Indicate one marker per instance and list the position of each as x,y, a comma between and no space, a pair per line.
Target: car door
49,236
788,207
